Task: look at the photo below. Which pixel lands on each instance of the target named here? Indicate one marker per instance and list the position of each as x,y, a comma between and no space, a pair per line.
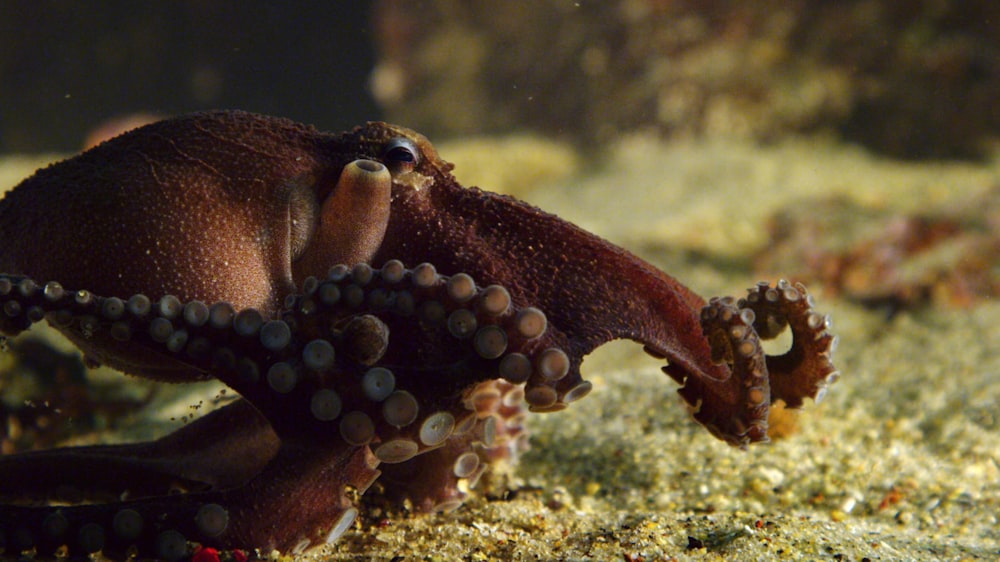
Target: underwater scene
552,280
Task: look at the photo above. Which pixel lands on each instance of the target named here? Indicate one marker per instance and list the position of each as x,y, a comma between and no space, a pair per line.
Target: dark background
912,79
66,67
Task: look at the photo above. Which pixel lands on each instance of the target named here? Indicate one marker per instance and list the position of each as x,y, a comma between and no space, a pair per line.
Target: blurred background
910,79
67,67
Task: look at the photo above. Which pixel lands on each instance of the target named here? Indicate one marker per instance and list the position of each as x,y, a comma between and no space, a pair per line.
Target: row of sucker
498,333
214,337
63,533
490,435
218,337
734,330
733,341
792,306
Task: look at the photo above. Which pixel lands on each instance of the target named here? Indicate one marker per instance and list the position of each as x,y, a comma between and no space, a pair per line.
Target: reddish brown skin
200,207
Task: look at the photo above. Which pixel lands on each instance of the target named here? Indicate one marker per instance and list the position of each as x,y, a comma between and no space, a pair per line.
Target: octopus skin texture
378,320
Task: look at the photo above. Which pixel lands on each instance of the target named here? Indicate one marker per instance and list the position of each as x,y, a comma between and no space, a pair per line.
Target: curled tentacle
747,391
734,330
806,369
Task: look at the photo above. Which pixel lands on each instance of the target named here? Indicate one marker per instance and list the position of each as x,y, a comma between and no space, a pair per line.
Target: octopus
379,321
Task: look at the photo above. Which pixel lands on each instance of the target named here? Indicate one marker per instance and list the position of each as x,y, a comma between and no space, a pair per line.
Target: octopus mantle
379,321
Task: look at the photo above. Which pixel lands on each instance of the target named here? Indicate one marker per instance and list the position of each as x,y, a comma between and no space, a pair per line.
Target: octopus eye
401,155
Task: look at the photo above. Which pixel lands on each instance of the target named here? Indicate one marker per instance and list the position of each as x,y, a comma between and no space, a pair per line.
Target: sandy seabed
901,461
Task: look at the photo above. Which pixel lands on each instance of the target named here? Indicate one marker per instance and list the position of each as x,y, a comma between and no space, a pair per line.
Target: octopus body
378,320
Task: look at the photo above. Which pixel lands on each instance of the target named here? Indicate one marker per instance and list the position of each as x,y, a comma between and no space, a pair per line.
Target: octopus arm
196,457
594,292
299,499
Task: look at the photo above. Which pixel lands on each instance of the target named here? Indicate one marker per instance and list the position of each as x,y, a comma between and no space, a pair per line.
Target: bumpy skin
202,247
